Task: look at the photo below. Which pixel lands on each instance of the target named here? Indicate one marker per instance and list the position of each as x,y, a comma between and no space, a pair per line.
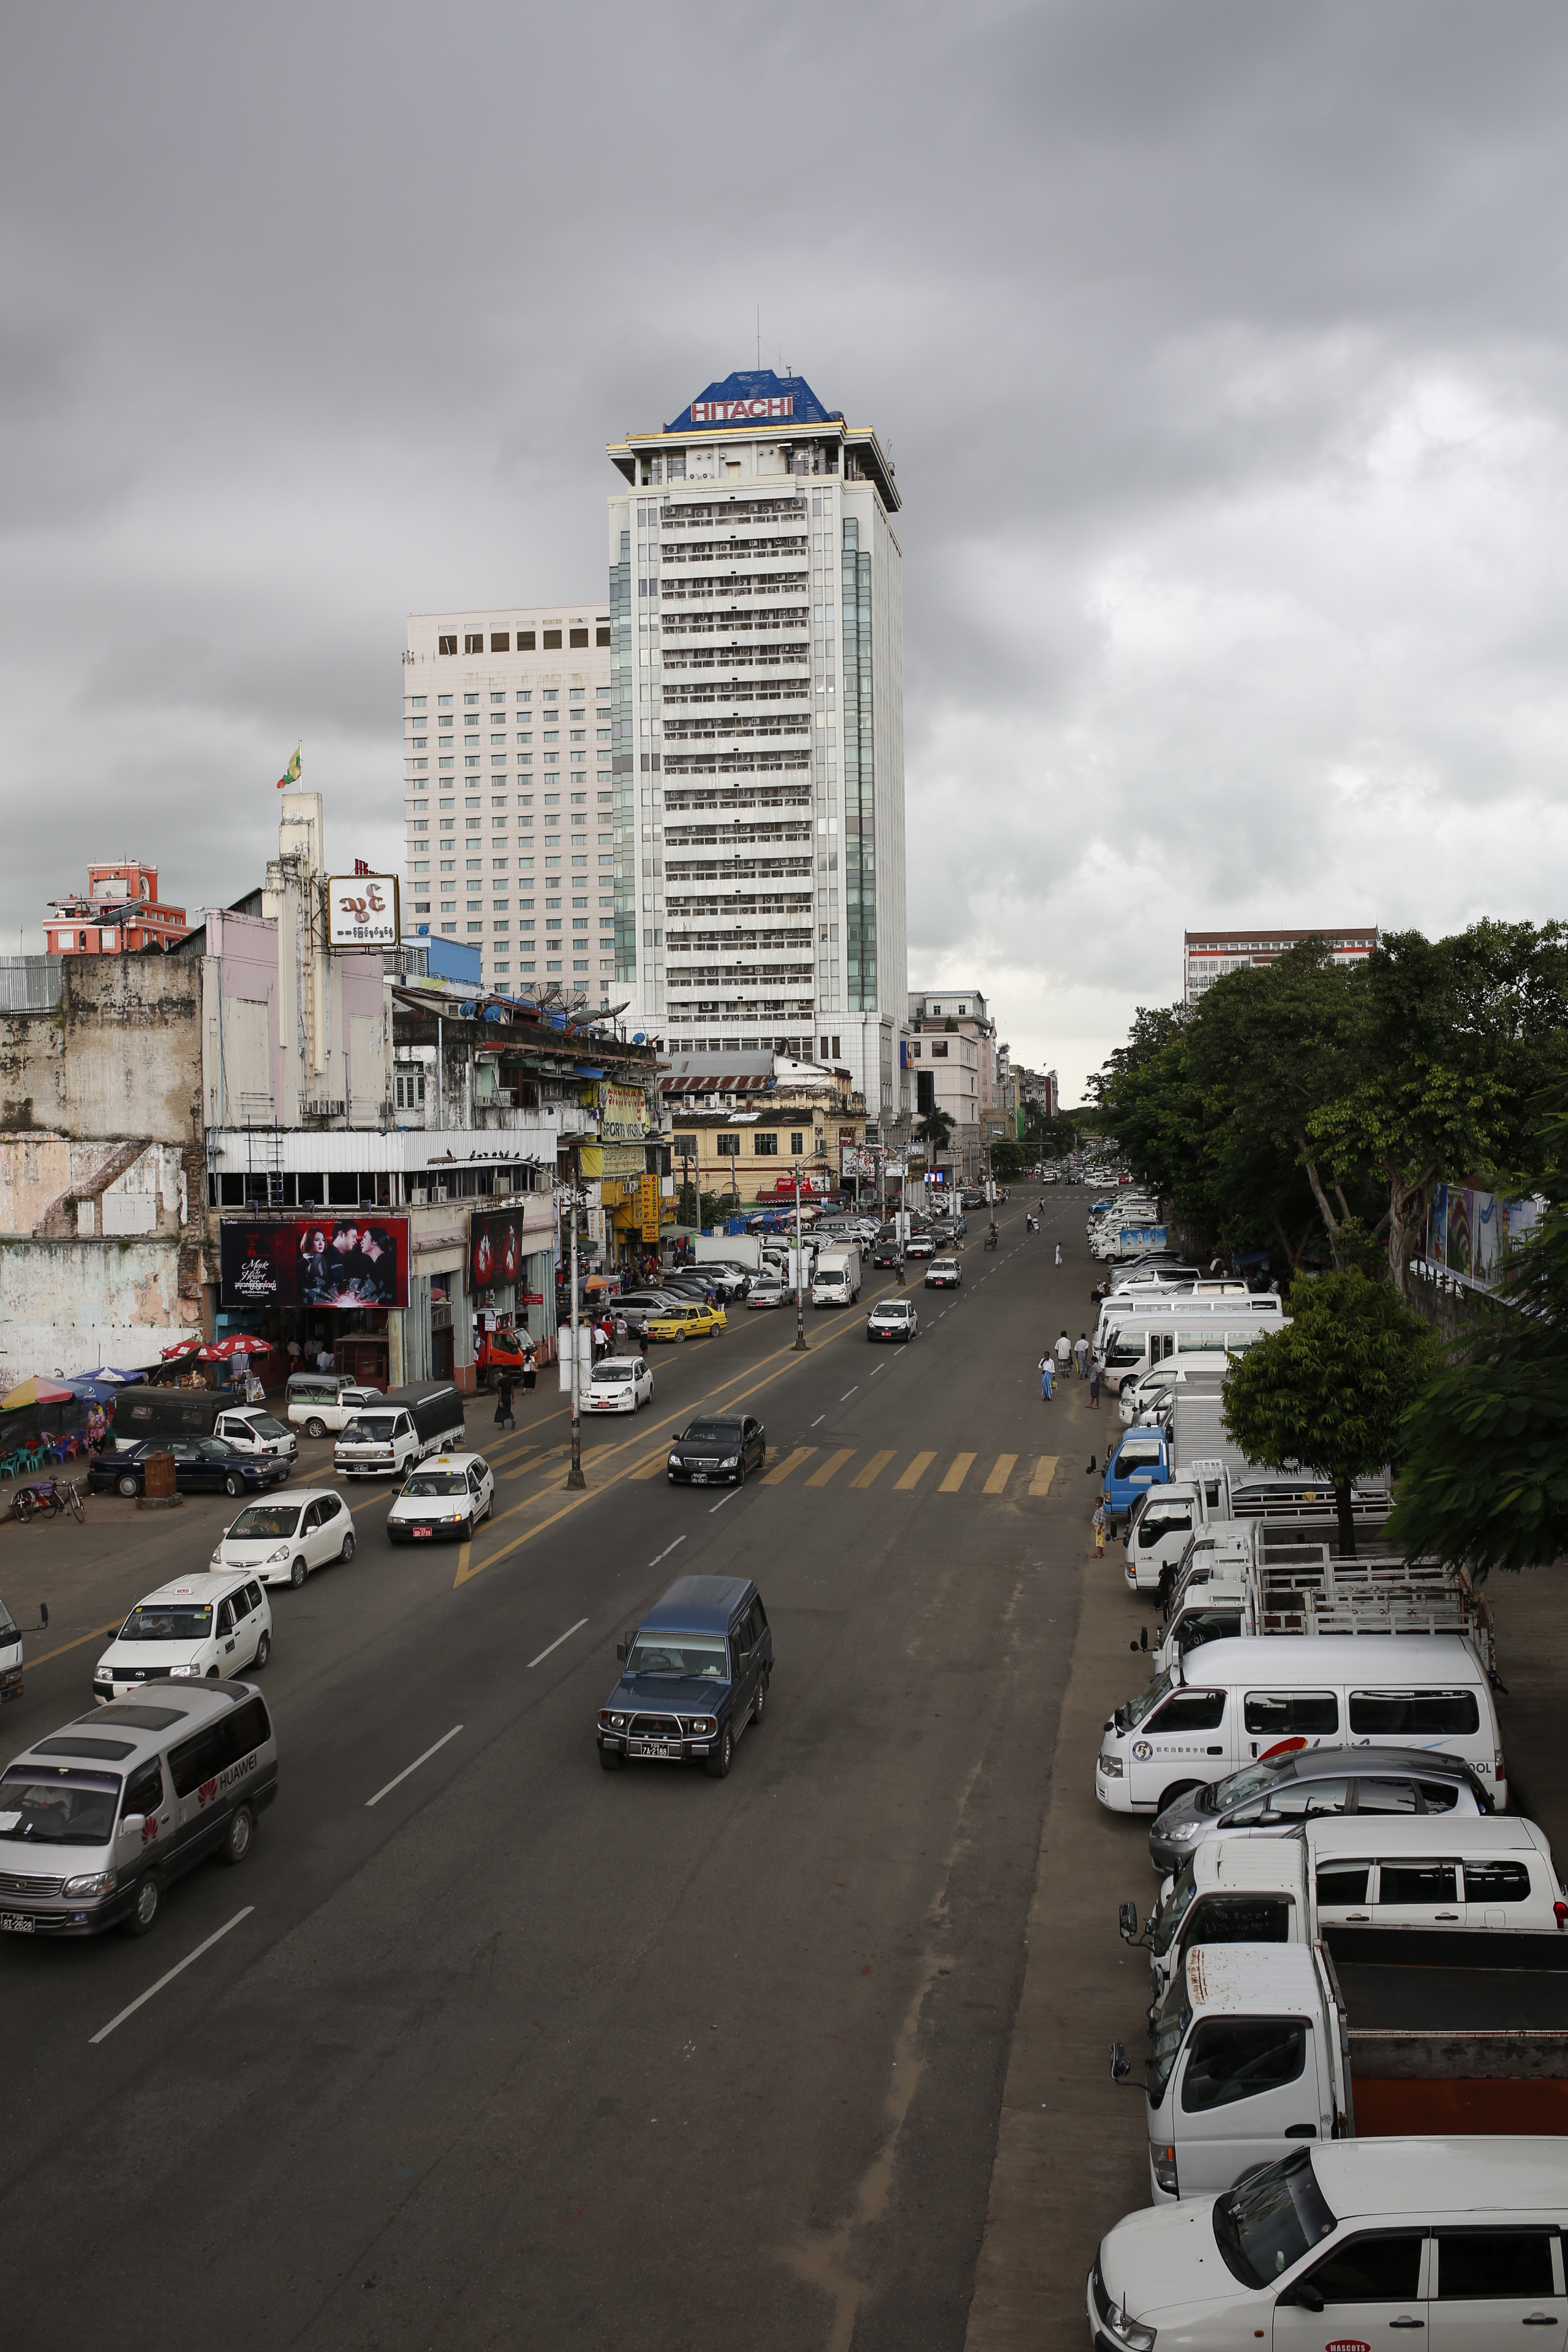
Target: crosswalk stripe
957,1475
651,1468
1045,1471
834,1464
997,1482
791,1463
915,1473
873,1470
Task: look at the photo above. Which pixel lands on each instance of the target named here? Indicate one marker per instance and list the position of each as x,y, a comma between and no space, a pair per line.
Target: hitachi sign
736,412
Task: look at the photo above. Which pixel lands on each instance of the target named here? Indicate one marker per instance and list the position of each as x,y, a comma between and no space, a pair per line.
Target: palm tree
935,1131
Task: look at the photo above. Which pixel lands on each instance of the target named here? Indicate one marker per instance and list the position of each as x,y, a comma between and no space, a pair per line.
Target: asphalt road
525,2051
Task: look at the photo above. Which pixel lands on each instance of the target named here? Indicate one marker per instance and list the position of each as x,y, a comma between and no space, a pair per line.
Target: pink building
118,913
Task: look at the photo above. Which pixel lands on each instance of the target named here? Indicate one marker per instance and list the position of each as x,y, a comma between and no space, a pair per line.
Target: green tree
1332,1391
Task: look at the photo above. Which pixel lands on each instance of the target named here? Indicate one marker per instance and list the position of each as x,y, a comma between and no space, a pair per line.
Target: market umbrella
179,1347
36,1391
241,1343
92,1387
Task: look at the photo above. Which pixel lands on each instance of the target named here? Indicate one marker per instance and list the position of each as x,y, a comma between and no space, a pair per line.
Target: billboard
623,1114
363,910
347,1259
495,1248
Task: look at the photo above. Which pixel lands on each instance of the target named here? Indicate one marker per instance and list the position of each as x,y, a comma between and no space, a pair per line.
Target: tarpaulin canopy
93,1388
36,1391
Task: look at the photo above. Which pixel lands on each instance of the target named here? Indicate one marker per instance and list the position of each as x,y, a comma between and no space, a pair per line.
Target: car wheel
740,1474
296,1574
239,1833
1177,1789
610,1760
263,1651
233,1483
718,1763
127,1486
315,1429
347,1553
145,1908
466,1531
680,1339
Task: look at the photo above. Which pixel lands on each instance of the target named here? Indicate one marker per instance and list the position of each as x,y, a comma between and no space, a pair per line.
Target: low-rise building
119,913
738,1124
1207,956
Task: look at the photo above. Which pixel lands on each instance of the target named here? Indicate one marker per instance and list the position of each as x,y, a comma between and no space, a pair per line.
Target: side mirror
131,1826
1309,2297
675,1436
1128,1918
1120,2064
43,1616
621,1651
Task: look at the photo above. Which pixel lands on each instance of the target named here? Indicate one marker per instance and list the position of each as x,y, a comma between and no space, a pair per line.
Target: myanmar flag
291,773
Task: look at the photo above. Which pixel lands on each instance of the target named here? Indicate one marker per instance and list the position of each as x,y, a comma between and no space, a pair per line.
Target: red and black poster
342,1260
495,1249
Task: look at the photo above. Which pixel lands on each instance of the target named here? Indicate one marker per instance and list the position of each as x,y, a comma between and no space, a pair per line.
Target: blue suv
693,1675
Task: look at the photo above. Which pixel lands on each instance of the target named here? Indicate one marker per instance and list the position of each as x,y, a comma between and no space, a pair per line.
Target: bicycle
56,1495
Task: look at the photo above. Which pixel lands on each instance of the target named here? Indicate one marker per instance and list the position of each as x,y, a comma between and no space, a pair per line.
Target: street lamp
574,1475
799,1272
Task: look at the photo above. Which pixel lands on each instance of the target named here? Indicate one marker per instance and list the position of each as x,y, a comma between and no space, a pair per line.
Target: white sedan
445,1495
619,1384
283,1539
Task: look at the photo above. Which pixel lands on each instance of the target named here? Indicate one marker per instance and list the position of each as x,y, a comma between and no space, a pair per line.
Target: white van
1231,1702
318,1401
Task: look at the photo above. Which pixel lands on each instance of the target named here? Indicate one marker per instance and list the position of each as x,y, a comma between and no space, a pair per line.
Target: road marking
997,1482
791,1463
412,1768
464,1550
97,1634
1045,1471
665,1552
915,1473
539,1660
873,1470
651,1467
178,1970
844,1399
723,1500
830,1468
956,1478
821,1417
875,1369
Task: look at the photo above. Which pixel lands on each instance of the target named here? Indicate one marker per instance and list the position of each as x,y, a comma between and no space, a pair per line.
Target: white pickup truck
1237,1588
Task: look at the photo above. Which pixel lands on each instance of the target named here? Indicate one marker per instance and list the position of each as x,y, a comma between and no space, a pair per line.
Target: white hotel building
507,713
756,676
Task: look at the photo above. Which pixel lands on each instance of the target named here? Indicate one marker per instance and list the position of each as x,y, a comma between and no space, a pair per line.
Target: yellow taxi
693,1322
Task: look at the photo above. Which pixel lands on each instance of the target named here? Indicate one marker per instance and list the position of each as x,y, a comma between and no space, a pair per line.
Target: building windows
410,1088
446,646
729,1146
474,644
766,1147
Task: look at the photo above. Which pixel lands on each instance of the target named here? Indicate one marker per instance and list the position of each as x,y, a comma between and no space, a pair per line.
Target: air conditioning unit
321,1108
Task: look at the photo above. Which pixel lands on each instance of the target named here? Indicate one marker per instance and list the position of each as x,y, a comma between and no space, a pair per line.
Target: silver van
97,1820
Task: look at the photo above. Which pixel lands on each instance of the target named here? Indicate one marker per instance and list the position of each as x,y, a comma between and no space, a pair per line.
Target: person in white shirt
1064,1356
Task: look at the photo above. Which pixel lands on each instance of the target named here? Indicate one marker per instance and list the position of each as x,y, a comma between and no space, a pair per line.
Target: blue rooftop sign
754,395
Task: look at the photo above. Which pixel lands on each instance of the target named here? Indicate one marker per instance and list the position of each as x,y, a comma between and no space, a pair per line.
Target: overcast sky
1220,348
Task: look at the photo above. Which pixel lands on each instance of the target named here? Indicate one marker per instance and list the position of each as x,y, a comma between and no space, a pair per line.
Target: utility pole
799,1272
574,1475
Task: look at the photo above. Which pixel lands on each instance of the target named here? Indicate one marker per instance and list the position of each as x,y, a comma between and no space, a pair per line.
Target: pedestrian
1058,1253
505,1419
528,1372
1064,1356
1094,1388
1081,1351
1100,1531
1048,1374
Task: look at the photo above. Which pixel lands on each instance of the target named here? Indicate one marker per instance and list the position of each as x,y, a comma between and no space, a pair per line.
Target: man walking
1058,1253
1081,1352
505,1418
1047,1375
1064,1356
1094,1388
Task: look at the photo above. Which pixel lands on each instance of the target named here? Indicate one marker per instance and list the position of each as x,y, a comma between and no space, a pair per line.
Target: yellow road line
1045,1471
652,1467
791,1463
97,1634
915,1473
957,1475
997,1482
834,1464
873,1470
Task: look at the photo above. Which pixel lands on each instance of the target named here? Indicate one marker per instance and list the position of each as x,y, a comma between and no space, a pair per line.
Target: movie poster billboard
350,1258
496,1249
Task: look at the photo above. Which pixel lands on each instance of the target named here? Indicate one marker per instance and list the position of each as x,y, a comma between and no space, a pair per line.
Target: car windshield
712,1433
370,1429
8,1632
1251,1781
691,1657
1147,1700
435,1482
265,1523
168,1621
39,1807
1266,2225
1175,2016
606,1374
264,1425
1175,1908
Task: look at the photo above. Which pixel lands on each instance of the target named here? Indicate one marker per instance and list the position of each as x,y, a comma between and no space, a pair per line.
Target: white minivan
1231,1702
206,1628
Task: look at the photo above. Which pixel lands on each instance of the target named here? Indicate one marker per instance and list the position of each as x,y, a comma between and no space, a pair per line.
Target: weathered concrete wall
121,1055
55,1185
66,1306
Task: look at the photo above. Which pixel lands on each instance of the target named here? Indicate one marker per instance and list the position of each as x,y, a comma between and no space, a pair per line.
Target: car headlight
701,1724
103,1675
273,1556
1181,1832
730,1462
1123,2330
1110,1766
216,1561
97,1882
674,1462
181,1673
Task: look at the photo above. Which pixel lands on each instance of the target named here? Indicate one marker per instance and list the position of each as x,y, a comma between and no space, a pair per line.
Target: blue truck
1141,1459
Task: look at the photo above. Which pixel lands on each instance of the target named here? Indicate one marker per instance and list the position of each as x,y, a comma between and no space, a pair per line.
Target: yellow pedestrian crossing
957,1475
914,1474
1045,1471
787,1467
997,1482
873,1470
653,1467
834,1463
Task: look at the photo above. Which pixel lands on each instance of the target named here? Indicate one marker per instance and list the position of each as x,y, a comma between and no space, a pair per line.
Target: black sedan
717,1451
202,1465
886,1254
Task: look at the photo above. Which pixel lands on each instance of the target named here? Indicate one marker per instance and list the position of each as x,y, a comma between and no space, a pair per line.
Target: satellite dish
638,1038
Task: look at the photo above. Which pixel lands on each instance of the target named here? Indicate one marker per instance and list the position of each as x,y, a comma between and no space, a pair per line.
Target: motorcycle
991,1238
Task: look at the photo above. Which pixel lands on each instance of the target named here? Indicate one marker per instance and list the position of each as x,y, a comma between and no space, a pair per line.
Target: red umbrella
179,1347
242,1343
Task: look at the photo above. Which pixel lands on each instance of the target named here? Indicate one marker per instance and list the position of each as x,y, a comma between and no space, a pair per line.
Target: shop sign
623,1114
497,1247
332,1261
650,1208
363,910
613,1160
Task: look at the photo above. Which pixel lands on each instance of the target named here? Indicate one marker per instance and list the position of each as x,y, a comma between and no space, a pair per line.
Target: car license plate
424,1531
17,1923
699,1478
659,1749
